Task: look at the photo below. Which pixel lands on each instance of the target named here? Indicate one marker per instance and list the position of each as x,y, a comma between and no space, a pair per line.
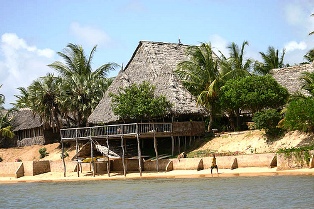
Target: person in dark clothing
214,164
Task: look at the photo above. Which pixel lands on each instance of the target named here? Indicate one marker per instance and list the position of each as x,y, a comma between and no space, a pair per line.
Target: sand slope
255,142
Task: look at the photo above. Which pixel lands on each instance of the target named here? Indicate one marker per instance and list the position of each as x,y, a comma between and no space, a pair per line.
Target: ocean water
234,192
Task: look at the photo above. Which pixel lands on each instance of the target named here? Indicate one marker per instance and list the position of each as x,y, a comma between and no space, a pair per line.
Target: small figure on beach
214,164
182,155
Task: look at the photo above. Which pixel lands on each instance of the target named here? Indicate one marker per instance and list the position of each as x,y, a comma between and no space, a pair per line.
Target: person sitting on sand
214,164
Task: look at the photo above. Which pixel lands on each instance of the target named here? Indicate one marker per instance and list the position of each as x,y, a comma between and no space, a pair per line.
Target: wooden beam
77,162
179,144
139,154
64,168
156,151
108,162
172,148
123,156
92,157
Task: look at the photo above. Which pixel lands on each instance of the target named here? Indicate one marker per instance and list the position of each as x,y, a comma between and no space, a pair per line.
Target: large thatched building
289,77
154,62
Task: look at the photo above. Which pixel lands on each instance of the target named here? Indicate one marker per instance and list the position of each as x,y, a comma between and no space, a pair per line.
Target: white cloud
14,42
20,64
89,35
298,14
293,45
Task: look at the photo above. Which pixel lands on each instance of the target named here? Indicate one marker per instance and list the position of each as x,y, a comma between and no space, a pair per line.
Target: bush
43,152
268,120
300,115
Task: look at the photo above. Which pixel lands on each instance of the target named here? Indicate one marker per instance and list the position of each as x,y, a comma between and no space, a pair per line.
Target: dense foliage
205,73
73,94
200,75
268,120
253,93
308,82
5,128
271,60
139,102
300,115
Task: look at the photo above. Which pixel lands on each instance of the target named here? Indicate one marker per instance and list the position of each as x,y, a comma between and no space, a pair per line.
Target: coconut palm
43,94
271,60
199,75
82,88
309,56
235,65
5,128
308,82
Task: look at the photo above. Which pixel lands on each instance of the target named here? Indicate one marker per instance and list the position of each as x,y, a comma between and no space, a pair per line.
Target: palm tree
199,75
309,56
43,95
234,67
81,88
308,82
5,128
271,60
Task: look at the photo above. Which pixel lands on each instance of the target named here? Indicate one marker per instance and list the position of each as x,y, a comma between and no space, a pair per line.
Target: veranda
138,131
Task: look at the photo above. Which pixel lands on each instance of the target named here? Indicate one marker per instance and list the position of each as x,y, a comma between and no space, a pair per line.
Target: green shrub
301,154
268,120
300,115
43,152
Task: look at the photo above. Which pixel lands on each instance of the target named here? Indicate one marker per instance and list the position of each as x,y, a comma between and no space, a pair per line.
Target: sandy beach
245,141
72,176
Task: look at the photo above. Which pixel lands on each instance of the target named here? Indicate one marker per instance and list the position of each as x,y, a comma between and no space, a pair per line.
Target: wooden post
123,157
172,148
139,154
156,151
108,162
64,168
184,143
92,156
179,144
77,162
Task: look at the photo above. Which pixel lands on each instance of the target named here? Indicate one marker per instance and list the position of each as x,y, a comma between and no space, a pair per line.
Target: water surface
235,192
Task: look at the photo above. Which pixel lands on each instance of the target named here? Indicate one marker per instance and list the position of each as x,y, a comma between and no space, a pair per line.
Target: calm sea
235,192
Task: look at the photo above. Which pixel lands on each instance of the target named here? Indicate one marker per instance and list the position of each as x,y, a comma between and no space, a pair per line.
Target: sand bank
72,176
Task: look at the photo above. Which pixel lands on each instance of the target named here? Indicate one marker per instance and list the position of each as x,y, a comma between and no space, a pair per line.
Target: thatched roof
289,77
153,62
25,119
3,111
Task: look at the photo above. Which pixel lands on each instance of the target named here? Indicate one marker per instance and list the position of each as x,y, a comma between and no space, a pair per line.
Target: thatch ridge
289,77
153,62
25,119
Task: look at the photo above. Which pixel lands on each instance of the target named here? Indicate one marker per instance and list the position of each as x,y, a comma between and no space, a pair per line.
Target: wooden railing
115,130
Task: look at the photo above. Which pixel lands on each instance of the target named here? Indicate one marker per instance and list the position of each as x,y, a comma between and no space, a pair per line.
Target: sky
33,31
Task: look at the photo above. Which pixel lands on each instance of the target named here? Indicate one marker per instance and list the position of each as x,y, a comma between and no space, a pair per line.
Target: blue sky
33,31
